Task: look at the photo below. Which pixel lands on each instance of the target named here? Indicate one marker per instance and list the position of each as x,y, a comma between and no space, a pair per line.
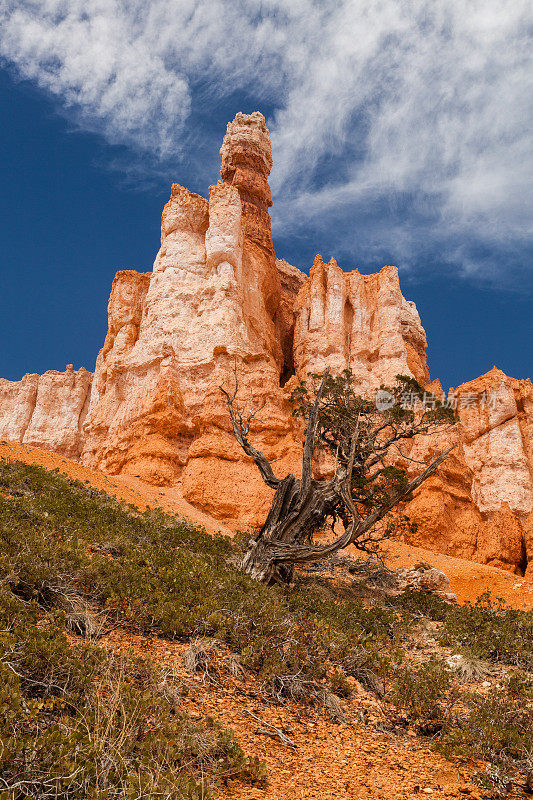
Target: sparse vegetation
426,693
78,723
158,574
492,631
486,629
496,728
73,559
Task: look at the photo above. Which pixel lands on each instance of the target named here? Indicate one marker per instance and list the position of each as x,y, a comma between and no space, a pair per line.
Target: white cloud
126,66
376,99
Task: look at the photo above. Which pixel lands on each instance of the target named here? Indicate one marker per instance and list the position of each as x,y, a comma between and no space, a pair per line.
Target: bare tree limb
294,553
273,731
380,512
309,444
240,431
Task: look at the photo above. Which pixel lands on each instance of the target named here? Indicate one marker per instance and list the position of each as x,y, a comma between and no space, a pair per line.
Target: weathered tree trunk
291,521
297,511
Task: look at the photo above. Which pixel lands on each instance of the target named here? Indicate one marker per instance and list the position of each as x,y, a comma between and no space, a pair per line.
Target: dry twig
271,730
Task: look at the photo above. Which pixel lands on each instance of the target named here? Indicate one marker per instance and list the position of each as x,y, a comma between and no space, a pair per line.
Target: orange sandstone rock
478,503
205,314
527,553
218,306
345,319
291,279
17,403
46,410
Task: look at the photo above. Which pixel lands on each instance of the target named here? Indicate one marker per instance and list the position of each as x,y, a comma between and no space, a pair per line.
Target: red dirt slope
468,579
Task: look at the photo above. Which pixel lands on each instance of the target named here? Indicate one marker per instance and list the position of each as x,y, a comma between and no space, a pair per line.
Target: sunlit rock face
345,319
219,307
205,316
478,504
497,439
46,410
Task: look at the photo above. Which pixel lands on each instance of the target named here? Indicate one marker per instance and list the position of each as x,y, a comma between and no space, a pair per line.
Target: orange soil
348,761
124,487
331,761
468,579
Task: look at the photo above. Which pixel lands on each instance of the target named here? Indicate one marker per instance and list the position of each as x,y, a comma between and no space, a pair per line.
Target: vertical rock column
218,477
246,164
361,321
138,422
17,403
206,310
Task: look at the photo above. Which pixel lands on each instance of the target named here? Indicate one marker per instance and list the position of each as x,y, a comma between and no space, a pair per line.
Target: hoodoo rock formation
218,306
344,319
46,410
479,503
211,309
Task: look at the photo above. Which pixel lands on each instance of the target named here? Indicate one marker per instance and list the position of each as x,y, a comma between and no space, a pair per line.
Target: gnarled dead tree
362,441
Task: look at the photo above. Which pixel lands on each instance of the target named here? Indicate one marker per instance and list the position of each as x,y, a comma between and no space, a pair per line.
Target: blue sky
400,135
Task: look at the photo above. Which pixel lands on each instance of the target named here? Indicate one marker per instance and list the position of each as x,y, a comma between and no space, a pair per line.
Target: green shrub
339,684
425,693
495,728
78,723
492,631
421,604
487,629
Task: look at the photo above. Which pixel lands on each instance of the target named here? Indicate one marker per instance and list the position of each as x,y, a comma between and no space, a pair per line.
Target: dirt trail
468,579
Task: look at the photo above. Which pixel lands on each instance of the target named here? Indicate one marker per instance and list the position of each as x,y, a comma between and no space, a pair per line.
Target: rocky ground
358,759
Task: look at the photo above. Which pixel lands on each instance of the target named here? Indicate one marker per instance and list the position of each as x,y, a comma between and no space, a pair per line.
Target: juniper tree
359,502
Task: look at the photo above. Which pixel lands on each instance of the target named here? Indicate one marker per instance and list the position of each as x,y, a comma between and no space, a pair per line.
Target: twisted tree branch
240,431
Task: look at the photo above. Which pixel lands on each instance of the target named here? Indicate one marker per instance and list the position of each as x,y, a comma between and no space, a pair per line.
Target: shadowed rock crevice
522,564
288,368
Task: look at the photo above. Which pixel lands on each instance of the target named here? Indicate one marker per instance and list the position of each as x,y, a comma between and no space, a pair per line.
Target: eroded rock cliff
218,307
478,504
345,319
46,410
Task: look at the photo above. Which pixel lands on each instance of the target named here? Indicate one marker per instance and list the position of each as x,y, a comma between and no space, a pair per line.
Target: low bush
487,629
491,630
495,728
78,723
426,693
421,605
